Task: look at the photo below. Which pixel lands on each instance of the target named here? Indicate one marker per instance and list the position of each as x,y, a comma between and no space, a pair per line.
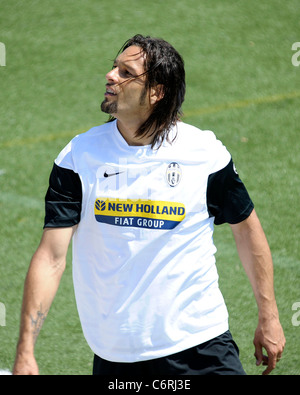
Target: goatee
109,108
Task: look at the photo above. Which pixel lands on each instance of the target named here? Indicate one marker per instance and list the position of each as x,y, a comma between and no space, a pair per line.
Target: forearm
42,281
257,261
256,258
41,285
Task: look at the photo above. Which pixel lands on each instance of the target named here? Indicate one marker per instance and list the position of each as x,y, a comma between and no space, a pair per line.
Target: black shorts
219,356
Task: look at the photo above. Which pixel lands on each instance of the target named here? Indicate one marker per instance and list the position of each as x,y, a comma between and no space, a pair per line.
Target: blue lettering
147,208
111,206
127,207
173,210
181,210
139,207
165,210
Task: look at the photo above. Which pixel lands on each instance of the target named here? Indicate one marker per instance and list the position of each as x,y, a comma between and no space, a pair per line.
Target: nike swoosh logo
112,174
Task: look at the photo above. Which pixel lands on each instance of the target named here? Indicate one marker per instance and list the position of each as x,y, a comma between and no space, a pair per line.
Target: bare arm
256,258
42,281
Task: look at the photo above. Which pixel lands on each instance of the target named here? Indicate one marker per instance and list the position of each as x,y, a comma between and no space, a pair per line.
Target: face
125,94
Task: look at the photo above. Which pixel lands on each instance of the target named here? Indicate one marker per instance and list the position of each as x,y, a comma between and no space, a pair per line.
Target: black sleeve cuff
227,197
63,199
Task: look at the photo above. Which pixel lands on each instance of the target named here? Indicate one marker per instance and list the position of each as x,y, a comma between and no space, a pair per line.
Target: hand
25,366
269,335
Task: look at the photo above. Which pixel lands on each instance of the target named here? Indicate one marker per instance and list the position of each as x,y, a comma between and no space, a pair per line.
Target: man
139,196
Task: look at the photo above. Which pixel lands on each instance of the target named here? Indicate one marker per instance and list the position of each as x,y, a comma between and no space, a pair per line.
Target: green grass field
241,84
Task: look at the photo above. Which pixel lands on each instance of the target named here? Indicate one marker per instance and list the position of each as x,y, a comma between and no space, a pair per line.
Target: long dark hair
164,66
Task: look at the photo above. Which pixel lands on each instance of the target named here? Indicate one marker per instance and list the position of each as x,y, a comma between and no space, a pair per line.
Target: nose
112,75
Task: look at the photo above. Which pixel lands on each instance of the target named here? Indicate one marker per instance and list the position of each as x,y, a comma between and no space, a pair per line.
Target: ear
157,93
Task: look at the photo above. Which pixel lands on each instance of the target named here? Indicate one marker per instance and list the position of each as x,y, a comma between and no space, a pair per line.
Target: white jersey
144,271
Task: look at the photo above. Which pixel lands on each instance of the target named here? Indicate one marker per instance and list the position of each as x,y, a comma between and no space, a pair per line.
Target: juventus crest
173,174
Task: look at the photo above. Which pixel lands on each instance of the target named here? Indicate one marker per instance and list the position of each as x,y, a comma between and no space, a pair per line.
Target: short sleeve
63,199
227,197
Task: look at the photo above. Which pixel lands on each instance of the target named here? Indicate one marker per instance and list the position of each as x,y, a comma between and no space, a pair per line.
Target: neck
128,131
